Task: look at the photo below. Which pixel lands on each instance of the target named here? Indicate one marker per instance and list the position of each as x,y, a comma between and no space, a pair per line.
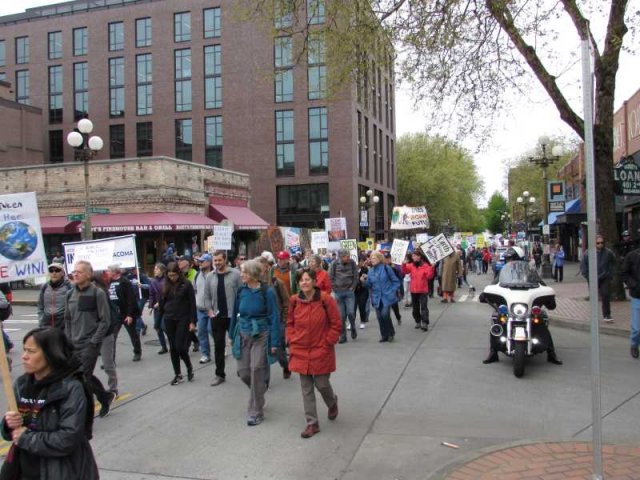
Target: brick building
189,80
20,135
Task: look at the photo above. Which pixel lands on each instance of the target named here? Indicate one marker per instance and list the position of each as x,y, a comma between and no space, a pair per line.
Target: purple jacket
155,290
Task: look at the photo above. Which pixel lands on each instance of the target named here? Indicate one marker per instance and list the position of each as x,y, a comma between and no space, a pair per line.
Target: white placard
222,237
319,240
422,238
21,247
437,248
119,251
336,228
352,246
399,251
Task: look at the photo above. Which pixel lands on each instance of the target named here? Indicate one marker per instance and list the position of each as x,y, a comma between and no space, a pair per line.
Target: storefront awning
242,217
572,206
56,225
149,222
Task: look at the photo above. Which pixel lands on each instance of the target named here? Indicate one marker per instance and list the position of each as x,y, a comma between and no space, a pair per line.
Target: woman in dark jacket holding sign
52,427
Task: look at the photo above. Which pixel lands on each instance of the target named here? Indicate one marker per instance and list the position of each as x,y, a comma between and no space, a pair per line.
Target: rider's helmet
512,254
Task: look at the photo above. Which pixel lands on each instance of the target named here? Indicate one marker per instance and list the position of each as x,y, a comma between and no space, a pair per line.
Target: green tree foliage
494,213
440,175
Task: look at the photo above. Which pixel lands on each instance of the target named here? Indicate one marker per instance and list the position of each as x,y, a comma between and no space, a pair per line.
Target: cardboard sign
437,248
422,238
222,237
319,240
399,251
336,228
352,246
21,246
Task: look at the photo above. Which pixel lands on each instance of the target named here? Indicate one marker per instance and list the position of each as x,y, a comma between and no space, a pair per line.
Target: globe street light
526,200
544,161
366,203
504,217
86,148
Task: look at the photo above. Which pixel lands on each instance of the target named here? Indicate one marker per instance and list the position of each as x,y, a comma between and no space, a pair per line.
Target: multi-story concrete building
190,80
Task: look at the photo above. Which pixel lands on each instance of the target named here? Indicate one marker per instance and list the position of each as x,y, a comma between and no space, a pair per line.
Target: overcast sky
516,131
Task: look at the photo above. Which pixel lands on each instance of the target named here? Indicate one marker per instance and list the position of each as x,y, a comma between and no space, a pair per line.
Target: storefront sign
21,247
626,176
557,206
407,218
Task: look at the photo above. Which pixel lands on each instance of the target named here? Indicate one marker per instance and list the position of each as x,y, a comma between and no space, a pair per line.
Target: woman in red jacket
322,280
313,329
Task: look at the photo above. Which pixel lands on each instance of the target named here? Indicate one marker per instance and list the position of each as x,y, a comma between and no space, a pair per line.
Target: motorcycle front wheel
519,355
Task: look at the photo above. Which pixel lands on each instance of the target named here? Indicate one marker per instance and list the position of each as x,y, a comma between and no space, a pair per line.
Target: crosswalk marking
468,298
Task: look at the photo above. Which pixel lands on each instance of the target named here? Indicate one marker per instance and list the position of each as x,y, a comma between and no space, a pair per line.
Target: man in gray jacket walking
86,321
344,278
52,298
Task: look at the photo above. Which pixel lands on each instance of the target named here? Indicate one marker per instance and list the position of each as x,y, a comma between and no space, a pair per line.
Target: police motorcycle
519,325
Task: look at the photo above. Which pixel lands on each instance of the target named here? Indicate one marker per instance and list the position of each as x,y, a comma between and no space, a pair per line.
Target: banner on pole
437,248
21,247
407,218
102,253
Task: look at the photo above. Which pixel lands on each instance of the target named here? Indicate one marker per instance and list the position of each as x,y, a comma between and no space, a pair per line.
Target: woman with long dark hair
52,427
178,309
155,293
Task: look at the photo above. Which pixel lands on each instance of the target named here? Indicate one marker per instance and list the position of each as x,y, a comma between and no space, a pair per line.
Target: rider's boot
493,357
552,357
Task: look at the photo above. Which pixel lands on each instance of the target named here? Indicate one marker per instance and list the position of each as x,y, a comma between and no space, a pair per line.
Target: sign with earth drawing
21,248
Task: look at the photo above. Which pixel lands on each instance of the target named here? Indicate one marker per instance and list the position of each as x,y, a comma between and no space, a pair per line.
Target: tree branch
581,24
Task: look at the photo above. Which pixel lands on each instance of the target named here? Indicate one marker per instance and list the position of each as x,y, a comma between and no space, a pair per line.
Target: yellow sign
370,243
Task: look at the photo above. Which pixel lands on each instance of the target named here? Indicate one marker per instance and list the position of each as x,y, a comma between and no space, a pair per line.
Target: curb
586,327
25,303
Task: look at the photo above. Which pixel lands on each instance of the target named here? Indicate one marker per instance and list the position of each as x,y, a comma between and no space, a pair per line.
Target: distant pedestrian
314,327
451,271
631,276
124,300
362,292
323,282
155,294
53,425
606,260
395,307
343,274
383,284
421,272
558,264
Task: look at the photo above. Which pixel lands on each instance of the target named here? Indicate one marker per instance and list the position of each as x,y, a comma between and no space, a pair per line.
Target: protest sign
292,239
319,240
102,253
407,218
21,247
422,238
336,228
399,251
222,237
437,248
352,246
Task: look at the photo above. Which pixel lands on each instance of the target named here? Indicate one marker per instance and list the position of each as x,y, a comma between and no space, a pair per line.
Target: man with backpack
123,298
52,298
343,273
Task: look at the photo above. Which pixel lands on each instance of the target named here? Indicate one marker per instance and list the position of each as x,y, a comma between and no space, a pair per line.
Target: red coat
323,282
420,276
313,328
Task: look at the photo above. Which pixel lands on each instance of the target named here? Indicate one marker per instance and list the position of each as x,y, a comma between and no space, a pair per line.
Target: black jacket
631,272
127,298
61,436
179,304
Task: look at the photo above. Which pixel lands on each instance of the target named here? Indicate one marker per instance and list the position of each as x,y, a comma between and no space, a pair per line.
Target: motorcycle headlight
519,309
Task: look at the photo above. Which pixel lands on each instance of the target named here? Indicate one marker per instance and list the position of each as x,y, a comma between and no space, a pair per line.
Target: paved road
398,403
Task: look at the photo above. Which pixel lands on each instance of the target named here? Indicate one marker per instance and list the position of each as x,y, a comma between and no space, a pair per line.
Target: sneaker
177,380
348,326
254,420
310,431
333,410
354,333
162,351
417,326
399,320
361,326
205,359
137,357
217,381
190,375
106,406
608,320
634,352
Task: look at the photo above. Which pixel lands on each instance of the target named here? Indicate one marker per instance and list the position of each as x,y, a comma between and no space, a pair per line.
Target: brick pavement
547,461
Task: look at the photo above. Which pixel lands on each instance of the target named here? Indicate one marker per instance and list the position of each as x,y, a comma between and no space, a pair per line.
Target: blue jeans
158,325
635,322
204,329
346,300
384,320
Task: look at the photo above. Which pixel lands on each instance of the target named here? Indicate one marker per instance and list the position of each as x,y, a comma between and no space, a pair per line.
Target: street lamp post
505,223
88,147
526,200
544,161
366,203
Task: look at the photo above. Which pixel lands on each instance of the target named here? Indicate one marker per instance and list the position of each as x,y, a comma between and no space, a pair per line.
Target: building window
213,141
212,27
387,161
379,220
116,87
143,32
380,141
55,94
80,90
317,70
285,147
183,79
3,76
283,63
144,139
375,154
22,50
315,12
56,146
55,45
182,27
303,205
80,41
366,147
22,87
213,76
283,17
3,53
184,139
360,146
144,87
116,36
318,141
116,141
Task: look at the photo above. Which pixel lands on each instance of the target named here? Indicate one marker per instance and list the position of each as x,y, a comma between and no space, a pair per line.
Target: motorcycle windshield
519,275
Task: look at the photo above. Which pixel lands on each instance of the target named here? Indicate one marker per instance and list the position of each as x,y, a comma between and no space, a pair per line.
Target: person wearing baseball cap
284,272
52,297
202,310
